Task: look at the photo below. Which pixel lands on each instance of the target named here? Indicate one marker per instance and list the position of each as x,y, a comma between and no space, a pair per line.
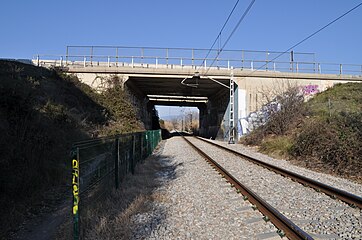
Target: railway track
277,215
353,200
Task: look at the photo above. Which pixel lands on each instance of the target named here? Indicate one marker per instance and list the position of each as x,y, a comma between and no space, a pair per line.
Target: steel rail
353,200
290,230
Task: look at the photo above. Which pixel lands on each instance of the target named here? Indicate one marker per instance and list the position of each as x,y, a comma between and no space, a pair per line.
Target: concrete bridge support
214,116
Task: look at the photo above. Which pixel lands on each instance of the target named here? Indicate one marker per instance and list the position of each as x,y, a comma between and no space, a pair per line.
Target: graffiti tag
75,185
310,89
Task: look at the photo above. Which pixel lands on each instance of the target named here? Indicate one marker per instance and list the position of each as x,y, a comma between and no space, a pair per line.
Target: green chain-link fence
98,165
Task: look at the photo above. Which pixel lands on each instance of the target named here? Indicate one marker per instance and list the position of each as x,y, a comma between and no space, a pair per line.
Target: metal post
297,67
340,69
116,162
75,191
37,60
228,64
319,68
274,67
142,52
142,137
181,62
205,64
61,61
252,65
192,57
166,56
91,56
231,113
66,56
132,62
109,62
242,59
116,57
156,62
84,60
133,153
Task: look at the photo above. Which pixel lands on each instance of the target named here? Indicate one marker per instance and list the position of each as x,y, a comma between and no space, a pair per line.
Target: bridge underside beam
178,104
171,86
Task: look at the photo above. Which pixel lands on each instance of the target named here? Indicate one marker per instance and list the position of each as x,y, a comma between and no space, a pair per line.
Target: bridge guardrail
101,163
90,56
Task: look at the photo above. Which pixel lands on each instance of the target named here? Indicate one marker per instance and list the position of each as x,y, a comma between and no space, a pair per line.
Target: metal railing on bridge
98,165
148,57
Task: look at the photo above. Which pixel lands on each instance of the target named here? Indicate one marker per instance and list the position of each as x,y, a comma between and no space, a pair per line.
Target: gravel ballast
194,202
316,213
337,182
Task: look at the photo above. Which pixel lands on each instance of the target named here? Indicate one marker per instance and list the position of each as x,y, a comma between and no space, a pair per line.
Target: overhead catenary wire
308,37
231,34
218,37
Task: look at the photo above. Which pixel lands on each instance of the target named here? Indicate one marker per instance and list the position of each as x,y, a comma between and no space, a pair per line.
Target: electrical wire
219,35
231,34
308,37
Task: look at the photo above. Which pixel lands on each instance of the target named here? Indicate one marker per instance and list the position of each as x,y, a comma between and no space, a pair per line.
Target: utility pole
231,113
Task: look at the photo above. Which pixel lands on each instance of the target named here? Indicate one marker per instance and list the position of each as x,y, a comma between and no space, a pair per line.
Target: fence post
116,162
133,153
75,191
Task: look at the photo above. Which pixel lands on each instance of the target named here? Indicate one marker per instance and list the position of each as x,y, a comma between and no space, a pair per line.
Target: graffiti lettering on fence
75,184
310,89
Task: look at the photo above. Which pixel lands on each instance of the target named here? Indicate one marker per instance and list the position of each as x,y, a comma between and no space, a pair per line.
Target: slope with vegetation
42,112
324,133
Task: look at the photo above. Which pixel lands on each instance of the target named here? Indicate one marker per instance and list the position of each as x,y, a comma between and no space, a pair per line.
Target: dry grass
110,216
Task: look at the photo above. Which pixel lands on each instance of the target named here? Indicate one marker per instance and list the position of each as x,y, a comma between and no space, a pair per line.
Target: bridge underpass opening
178,118
209,97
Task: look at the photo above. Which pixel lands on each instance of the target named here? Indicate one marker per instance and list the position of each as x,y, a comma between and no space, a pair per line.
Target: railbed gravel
316,213
194,202
337,182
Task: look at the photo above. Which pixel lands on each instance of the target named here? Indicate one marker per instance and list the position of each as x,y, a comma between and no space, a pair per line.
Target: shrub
278,146
335,141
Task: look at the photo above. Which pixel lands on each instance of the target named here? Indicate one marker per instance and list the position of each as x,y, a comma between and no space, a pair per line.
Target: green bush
335,141
279,146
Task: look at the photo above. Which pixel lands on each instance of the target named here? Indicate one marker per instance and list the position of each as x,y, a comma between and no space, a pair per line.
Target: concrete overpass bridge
166,76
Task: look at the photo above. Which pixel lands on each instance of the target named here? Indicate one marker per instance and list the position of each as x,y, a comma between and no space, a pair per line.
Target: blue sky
47,27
